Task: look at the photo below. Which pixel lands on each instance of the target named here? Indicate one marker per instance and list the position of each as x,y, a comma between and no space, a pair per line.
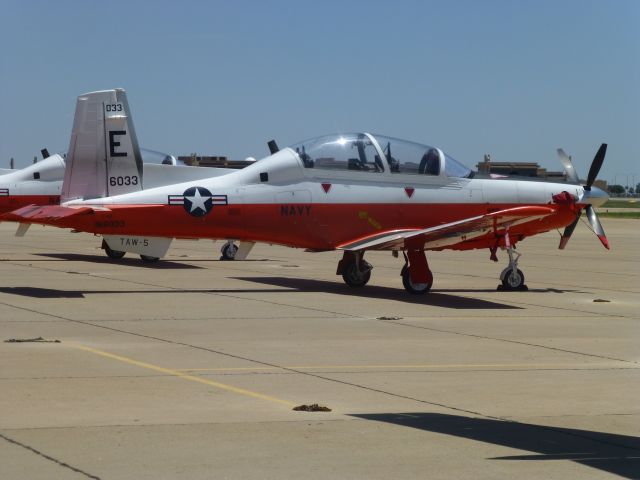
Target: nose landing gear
512,277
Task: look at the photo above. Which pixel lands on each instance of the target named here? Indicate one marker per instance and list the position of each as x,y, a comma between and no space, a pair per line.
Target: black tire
113,254
513,280
414,288
229,251
354,277
148,259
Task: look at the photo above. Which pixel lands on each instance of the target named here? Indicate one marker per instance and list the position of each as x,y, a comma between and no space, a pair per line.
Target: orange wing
450,233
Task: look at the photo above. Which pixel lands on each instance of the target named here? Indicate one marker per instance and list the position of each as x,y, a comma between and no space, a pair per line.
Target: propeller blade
595,165
592,216
572,176
568,230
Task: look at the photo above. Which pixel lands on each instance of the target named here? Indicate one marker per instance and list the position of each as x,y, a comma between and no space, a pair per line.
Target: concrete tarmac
189,368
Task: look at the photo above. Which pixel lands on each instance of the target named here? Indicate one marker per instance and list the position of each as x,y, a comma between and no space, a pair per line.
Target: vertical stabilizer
104,157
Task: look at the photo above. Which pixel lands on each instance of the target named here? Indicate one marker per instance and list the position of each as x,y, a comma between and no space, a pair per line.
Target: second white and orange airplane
41,184
352,192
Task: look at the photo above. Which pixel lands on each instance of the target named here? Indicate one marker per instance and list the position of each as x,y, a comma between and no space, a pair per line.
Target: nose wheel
512,277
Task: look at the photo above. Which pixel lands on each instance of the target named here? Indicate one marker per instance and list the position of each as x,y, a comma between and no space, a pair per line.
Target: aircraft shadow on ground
506,292
616,454
283,285
126,261
36,292
434,298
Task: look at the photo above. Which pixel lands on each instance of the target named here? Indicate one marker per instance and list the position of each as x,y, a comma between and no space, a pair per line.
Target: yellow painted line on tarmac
185,376
374,367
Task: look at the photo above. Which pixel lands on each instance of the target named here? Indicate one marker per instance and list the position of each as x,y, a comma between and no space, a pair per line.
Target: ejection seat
430,163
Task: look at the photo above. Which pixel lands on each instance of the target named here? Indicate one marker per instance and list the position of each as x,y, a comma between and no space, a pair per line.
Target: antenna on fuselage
273,146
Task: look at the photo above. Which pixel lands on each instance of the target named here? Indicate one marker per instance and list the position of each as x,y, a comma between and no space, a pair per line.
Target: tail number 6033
126,180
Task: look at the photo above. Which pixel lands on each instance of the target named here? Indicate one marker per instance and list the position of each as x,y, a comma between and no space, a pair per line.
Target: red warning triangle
326,187
409,191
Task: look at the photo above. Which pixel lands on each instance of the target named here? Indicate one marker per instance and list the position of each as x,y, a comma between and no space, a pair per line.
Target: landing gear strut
512,277
355,271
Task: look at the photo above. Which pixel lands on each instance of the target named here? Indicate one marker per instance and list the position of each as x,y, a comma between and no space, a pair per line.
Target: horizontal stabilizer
45,215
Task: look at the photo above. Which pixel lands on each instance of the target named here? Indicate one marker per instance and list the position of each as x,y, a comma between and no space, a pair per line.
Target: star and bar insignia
4,192
197,201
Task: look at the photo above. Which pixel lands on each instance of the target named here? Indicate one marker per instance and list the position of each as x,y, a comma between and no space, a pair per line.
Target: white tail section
104,157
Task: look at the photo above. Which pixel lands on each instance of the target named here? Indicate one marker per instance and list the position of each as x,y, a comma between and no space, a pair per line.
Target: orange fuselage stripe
315,226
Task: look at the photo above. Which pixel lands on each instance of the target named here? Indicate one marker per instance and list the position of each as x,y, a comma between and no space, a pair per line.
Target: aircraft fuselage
279,201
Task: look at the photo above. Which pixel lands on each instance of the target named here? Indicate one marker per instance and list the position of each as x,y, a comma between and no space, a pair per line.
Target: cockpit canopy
377,154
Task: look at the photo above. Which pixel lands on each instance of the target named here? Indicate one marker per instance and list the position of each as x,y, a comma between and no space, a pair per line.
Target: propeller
565,159
596,165
592,216
594,221
568,231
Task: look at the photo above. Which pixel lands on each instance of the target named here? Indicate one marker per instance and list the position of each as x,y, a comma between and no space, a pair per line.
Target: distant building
195,160
602,185
522,169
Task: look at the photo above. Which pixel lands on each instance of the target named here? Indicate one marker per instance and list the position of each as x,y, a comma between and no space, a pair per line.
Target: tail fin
104,157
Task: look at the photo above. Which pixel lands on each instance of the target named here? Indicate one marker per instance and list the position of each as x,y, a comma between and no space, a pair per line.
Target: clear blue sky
514,79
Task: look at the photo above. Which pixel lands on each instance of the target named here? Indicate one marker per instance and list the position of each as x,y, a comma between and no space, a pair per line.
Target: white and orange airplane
352,192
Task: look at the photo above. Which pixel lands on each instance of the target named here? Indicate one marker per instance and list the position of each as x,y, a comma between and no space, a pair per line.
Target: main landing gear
229,250
355,270
117,254
416,275
113,254
417,278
